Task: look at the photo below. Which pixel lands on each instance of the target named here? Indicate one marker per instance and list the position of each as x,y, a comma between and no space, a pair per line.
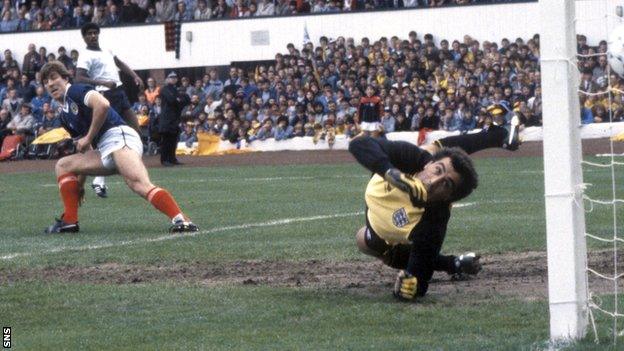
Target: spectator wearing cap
173,102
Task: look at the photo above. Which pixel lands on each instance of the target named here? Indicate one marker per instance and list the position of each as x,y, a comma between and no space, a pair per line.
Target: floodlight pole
565,218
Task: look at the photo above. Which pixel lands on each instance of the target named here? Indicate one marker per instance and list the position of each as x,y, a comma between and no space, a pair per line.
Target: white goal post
565,218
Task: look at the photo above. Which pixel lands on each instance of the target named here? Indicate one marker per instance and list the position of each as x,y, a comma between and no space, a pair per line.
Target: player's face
440,179
56,85
91,37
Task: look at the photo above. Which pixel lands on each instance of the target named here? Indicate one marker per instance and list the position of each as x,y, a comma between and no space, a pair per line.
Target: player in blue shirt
87,116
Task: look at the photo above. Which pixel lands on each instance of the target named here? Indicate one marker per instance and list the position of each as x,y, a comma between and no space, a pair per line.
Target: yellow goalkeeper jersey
393,213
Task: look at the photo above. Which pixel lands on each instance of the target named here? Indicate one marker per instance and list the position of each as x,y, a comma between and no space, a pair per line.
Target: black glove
405,286
398,179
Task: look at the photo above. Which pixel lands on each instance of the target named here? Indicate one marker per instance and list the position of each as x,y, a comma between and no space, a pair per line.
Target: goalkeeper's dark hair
463,165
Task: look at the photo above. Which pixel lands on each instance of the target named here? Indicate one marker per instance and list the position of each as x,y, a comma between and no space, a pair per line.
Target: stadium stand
316,90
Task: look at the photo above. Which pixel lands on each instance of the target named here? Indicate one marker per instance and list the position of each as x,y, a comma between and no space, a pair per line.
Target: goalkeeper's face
441,179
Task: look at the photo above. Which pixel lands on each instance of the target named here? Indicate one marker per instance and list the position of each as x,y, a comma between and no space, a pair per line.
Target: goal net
583,285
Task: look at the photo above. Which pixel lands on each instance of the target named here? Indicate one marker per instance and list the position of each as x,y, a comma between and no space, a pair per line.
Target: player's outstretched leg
71,189
99,187
495,136
135,174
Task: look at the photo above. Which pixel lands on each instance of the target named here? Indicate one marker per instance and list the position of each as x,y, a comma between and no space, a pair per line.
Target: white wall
220,42
588,131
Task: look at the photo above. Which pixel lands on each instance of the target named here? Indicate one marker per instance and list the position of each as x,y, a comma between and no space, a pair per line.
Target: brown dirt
520,275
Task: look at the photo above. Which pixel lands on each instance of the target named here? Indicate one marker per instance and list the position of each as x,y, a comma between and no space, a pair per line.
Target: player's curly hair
463,165
54,66
88,26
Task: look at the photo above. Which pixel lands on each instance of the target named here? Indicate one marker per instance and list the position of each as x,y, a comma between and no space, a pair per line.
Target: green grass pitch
256,214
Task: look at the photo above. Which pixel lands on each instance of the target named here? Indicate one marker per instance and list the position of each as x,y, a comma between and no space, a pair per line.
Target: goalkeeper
409,199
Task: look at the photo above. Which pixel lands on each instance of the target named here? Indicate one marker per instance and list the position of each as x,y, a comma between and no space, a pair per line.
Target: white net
604,89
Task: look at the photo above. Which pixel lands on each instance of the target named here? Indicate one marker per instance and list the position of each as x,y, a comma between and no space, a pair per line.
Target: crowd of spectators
316,90
22,15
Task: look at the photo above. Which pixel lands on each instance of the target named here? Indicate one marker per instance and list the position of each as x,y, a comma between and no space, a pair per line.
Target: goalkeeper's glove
405,287
398,179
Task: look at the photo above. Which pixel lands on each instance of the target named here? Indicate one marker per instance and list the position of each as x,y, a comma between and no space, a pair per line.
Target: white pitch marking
214,230
174,236
465,204
252,179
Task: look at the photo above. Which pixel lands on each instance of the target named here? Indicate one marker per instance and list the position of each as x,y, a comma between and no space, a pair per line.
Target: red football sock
164,202
70,194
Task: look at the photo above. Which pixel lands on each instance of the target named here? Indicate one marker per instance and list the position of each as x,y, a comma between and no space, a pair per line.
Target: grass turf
236,208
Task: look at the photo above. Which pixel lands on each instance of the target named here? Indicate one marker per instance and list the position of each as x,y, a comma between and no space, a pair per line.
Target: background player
87,116
409,200
100,68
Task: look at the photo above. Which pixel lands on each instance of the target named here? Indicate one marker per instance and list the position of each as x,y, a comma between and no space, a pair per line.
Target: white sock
178,217
101,181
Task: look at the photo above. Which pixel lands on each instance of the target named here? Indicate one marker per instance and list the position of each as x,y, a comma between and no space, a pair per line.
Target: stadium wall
219,42
588,131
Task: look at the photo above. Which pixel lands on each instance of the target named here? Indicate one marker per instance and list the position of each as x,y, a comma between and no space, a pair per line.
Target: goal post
565,219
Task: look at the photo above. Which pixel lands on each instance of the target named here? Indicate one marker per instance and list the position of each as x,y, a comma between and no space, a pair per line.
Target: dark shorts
373,241
118,99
